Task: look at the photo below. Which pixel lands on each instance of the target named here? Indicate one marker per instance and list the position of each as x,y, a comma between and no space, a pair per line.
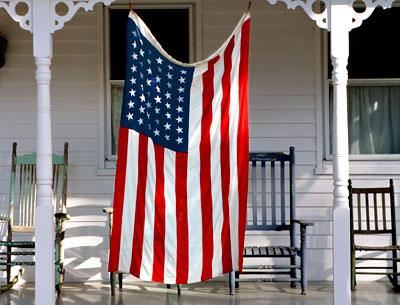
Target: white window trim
378,164
107,161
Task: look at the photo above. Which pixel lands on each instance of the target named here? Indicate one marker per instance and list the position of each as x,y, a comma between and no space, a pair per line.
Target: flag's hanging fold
181,182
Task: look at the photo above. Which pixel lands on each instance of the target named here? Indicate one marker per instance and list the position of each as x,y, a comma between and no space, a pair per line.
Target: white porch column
340,22
44,219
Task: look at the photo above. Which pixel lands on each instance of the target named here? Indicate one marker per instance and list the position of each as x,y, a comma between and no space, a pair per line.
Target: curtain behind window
373,118
116,105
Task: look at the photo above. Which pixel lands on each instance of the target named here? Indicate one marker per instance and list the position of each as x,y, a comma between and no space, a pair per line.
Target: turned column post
340,22
44,218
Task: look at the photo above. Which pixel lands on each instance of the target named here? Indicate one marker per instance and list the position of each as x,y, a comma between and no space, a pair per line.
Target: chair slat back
268,191
22,200
369,210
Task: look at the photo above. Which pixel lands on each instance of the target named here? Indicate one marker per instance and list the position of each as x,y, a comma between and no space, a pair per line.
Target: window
173,28
373,88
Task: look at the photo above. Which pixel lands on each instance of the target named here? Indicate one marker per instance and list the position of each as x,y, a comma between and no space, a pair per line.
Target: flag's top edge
147,33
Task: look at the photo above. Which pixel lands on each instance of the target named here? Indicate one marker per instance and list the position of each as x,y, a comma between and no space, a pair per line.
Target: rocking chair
378,207
21,218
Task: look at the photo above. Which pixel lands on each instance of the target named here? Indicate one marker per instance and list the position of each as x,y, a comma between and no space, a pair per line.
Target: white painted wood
44,222
339,24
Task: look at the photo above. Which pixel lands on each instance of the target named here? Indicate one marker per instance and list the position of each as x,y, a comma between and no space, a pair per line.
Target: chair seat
18,244
270,251
377,248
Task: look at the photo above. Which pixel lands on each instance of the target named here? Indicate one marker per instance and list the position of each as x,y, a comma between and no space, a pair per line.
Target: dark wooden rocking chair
270,215
21,217
372,212
109,212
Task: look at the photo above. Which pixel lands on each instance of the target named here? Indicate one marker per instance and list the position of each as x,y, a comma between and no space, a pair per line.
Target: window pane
169,26
116,105
373,118
375,47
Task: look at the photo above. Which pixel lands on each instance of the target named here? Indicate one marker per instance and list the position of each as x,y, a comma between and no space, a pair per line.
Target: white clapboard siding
283,113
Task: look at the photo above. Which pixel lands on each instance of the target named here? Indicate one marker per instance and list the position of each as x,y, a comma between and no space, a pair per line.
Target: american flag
181,181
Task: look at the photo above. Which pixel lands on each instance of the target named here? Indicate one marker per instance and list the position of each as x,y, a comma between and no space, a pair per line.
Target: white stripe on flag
215,141
146,270
195,237
233,131
170,217
129,208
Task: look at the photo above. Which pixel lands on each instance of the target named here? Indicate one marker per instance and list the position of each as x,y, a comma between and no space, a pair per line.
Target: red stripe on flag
159,217
205,171
119,192
137,246
243,136
182,228
225,166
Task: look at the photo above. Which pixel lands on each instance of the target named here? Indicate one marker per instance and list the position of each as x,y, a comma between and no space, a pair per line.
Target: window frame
107,159
327,155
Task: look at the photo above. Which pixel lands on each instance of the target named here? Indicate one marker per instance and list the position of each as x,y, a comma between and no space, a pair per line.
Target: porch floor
374,293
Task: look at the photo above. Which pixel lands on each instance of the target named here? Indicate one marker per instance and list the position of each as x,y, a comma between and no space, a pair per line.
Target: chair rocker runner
372,212
18,249
270,215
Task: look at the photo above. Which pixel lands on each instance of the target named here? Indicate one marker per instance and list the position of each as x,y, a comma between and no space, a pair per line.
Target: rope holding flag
180,194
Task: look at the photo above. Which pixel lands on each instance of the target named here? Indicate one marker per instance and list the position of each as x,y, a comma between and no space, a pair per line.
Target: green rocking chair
21,218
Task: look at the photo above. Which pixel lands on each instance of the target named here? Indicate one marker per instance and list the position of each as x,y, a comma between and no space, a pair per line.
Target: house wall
285,110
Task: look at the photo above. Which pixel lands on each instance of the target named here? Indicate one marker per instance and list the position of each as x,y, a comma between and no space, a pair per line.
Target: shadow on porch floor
320,293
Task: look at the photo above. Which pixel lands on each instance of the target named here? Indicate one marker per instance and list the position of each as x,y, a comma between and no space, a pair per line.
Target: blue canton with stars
156,93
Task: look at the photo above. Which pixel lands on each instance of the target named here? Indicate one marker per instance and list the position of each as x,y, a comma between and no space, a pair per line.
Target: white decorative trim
306,5
58,21
322,18
73,7
24,20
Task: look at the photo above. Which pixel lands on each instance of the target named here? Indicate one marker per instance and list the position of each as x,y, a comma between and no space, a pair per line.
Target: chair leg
8,268
293,271
112,283
237,275
57,266
120,276
232,281
353,269
178,287
303,258
395,270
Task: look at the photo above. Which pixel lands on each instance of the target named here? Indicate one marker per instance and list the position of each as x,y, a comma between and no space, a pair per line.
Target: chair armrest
303,223
61,216
108,210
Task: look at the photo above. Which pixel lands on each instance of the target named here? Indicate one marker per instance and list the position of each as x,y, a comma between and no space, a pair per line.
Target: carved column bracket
321,17
57,20
72,8
25,21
